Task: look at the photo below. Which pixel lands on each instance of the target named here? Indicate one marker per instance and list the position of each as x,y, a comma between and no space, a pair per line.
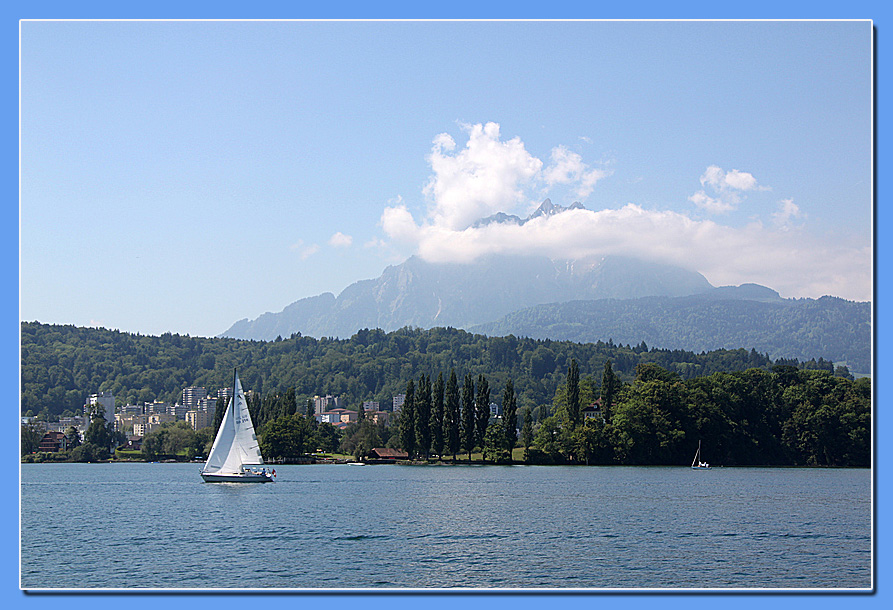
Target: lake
157,526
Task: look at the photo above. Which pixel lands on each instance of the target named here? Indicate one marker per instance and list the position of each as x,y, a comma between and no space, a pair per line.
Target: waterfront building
53,442
593,411
379,417
191,396
208,405
199,419
321,404
154,407
334,416
105,400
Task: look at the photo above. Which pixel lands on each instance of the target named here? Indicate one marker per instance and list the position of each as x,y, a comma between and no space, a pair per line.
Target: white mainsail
236,443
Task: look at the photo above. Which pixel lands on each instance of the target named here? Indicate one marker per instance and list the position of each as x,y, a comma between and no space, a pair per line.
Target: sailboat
235,453
696,464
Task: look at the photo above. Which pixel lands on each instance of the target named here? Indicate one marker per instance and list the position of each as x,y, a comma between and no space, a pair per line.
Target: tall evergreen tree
608,391
437,416
510,416
451,415
527,433
361,413
99,433
407,421
423,415
482,409
291,402
468,419
573,394
219,410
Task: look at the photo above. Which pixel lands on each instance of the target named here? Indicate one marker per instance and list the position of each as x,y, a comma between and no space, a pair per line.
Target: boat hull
236,478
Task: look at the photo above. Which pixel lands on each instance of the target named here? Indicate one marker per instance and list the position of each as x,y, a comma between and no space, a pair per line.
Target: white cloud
567,167
726,189
340,240
742,181
309,251
398,223
486,176
725,255
714,205
787,211
489,175
375,242
305,251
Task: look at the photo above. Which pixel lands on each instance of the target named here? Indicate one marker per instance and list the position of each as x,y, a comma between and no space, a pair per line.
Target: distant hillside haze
613,297
748,316
422,294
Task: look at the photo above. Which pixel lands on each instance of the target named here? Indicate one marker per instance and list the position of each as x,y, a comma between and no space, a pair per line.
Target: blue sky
179,176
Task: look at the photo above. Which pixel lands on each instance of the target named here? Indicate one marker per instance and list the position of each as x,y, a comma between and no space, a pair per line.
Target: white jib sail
236,443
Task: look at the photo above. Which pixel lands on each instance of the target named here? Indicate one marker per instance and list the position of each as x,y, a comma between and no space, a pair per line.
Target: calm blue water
339,526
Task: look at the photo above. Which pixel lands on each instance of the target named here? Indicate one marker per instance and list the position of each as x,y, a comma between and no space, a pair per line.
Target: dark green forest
828,327
654,405
62,365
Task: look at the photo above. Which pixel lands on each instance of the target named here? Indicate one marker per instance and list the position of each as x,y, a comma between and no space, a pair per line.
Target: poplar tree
468,419
609,389
482,410
510,416
423,415
451,415
573,394
219,410
527,433
407,421
437,416
291,402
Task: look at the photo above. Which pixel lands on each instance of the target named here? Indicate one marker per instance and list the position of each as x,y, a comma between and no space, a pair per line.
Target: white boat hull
237,478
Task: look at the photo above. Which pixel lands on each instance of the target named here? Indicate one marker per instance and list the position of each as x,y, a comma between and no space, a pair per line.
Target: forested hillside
829,327
62,365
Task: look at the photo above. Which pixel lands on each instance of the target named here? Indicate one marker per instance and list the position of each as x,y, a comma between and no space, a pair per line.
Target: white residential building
397,403
106,400
191,396
199,419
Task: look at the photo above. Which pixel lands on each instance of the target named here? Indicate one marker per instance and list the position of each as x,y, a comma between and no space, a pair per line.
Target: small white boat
235,456
696,464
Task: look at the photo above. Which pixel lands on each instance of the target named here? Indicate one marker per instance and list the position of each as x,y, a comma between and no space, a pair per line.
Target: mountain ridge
423,294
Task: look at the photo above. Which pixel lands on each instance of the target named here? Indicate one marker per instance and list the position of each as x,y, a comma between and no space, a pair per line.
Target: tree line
786,416
62,365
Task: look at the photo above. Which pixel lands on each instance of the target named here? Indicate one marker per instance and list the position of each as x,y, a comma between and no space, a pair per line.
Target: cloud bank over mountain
491,175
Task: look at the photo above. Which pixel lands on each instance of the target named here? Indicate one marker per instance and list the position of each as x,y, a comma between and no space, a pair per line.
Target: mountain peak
547,208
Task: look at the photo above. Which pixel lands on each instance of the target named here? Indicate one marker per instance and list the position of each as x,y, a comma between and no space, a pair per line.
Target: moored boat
697,464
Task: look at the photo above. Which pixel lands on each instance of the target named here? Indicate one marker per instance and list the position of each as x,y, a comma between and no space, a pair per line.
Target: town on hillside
197,406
